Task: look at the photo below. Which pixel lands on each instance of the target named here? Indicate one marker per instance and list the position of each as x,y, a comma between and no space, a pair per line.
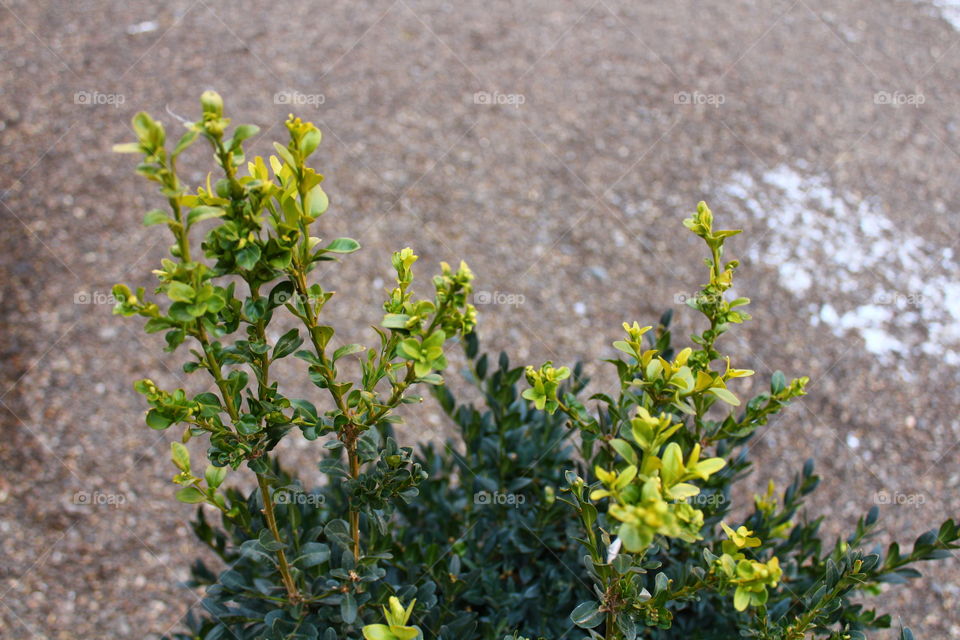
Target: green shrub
540,518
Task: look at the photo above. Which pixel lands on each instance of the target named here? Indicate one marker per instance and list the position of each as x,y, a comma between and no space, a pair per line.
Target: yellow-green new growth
396,627
750,577
544,384
652,515
655,504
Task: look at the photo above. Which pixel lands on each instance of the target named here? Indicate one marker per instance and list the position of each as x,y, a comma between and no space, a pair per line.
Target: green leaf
634,538
683,490
313,553
654,369
587,615
347,350
421,369
127,147
143,124
339,532
378,632
409,349
625,450
180,311
198,214
310,142
706,468
185,141
436,339
215,476
407,633
621,345
627,626
191,495
180,292
778,382
180,456
672,464
725,395
322,334
268,542
158,421
741,598
305,406
317,202
343,245
660,583
156,216
248,425
307,356
589,514
395,321
348,608
248,256
284,153
287,344
280,259
281,294
242,133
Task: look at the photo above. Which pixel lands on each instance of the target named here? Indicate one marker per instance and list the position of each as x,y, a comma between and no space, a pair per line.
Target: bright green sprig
396,628
544,383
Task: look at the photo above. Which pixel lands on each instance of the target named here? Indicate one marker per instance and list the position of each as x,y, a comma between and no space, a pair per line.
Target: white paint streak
897,291
142,27
949,10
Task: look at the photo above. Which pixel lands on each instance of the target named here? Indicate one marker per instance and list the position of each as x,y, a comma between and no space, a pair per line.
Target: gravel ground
826,130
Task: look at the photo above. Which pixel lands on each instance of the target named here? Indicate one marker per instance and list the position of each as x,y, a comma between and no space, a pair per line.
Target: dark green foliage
491,497
541,517
486,570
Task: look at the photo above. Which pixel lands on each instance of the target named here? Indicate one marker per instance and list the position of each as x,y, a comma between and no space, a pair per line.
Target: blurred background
556,147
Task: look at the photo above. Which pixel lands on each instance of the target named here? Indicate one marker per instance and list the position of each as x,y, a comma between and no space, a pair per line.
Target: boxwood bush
547,514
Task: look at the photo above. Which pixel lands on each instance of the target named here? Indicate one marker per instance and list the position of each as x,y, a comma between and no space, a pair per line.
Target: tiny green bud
212,103
549,495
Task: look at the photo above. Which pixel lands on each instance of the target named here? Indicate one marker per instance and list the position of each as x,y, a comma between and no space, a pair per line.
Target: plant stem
800,628
574,417
349,433
263,383
183,242
353,513
293,595
214,367
396,396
